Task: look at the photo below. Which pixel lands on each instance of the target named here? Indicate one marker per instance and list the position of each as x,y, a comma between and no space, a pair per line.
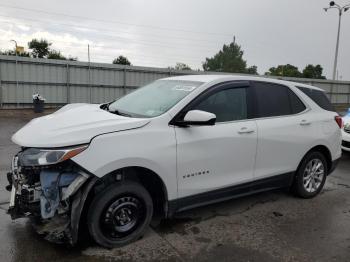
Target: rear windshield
319,97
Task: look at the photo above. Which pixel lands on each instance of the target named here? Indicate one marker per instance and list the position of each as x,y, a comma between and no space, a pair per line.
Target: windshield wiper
117,112
105,107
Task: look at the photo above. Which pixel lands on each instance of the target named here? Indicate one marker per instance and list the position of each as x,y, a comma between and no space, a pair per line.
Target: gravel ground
272,226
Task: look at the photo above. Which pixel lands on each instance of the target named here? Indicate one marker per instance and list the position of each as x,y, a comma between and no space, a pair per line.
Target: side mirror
199,118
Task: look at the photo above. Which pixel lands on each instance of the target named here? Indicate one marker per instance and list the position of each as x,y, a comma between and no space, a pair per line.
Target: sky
159,33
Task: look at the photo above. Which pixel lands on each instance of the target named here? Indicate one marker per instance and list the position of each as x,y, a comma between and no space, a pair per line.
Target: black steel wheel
120,214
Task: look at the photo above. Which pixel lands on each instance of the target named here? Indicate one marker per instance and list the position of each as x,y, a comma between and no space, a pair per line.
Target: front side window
154,99
227,104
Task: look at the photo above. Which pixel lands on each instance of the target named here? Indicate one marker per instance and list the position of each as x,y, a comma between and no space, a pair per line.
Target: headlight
42,157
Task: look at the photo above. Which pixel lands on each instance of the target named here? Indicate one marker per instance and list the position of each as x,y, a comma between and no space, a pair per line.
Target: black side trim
181,204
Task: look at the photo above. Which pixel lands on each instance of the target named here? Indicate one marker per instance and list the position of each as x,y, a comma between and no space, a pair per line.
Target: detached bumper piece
53,183
45,195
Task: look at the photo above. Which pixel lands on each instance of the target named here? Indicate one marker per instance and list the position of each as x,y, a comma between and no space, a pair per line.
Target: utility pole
337,47
16,71
341,10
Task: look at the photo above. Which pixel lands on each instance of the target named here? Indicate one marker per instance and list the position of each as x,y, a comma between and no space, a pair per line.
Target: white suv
172,145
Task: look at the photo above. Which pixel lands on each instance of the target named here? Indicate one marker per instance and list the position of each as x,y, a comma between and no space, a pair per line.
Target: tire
311,175
119,214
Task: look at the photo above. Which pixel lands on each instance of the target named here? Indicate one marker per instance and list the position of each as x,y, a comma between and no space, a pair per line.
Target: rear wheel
311,175
120,214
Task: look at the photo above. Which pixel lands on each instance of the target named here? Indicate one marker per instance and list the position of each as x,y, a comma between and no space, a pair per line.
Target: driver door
211,158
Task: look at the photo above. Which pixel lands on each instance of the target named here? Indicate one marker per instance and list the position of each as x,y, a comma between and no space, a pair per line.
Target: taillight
339,121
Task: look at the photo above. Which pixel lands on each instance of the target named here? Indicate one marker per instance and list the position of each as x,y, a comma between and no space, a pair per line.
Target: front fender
167,178
150,147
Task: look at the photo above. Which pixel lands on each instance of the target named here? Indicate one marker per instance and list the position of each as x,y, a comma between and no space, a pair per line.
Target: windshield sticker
186,88
151,112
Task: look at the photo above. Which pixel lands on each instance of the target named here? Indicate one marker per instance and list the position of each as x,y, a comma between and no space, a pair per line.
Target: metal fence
62,82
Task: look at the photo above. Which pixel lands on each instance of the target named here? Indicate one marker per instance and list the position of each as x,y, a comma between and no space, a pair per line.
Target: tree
252,70
12,52
121,60
182,66
311,71
284,70
40,48
229,59
53,54
72,58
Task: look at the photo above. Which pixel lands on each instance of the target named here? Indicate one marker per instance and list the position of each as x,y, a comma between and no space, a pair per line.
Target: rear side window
319,97
276,100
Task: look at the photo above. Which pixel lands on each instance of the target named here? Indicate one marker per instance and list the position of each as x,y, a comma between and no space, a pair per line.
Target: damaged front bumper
47,194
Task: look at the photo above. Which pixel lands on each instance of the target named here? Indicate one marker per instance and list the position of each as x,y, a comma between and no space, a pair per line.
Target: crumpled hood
73,124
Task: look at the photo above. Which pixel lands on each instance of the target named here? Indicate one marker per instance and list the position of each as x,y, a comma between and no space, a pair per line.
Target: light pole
341,9
16,71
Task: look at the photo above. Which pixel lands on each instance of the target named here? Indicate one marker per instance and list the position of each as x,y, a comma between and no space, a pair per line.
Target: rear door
285,129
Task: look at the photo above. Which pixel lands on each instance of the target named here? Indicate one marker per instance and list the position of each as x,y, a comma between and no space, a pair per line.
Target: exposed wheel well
153,184
146,177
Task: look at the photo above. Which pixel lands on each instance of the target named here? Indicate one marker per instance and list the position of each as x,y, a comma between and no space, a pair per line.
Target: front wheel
120,214
311,175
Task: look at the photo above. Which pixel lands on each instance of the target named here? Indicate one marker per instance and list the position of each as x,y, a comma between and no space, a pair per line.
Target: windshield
154,99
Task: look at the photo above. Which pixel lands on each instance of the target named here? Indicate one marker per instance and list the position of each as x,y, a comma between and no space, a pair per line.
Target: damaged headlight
42,157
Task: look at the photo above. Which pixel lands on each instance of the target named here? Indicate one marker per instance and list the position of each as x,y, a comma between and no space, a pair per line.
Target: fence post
67,83
1,91
124,81
89,83
16,76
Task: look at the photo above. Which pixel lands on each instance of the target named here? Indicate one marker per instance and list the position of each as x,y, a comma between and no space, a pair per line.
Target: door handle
305,122
245,130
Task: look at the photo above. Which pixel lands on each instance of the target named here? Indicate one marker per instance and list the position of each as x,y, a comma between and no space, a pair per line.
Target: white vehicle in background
346,132
172,145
